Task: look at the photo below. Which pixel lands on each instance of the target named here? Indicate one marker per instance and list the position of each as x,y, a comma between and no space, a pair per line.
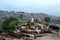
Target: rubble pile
31,30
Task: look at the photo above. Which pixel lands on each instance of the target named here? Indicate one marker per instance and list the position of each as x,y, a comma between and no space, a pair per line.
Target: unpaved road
52,37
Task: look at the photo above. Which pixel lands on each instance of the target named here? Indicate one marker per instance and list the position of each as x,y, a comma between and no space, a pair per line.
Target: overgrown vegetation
8,24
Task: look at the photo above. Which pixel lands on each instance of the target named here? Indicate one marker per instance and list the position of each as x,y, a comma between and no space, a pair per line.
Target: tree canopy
47,19
10,23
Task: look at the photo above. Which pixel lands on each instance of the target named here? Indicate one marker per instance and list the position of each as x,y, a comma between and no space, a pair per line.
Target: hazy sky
51,7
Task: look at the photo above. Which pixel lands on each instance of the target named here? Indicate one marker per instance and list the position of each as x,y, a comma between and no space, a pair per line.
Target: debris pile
31,30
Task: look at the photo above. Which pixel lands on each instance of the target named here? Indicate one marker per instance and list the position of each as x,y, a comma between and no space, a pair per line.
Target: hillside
25,15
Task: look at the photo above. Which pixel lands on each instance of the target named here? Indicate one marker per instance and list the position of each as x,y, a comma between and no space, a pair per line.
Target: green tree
47,19
10,23
1,30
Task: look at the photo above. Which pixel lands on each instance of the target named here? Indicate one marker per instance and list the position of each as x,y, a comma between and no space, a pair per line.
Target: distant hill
25,15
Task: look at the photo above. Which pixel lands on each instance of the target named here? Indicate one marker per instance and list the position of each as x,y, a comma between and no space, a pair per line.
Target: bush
47,19
9,23
1,30
12,25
